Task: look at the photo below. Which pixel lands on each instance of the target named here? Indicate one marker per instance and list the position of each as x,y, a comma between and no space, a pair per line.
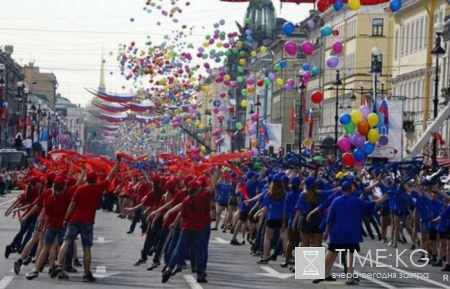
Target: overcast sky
67,37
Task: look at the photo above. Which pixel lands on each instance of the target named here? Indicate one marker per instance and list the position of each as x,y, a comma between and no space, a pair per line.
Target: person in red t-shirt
80,219
55,207
193,217
143,188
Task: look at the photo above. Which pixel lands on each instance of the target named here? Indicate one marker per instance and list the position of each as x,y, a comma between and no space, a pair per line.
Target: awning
41,96
442,163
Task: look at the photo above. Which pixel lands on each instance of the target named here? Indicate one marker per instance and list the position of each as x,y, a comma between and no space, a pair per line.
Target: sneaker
164,268
214,229
262,261
140,262
27,260
153,266
202,280
71,270
166,276
17,266
89,278
351,281
130,232
330,279
77,263
8,251
235,242
177,270
55,272
284,264
413,247
438,264
63,276
446,268
33,274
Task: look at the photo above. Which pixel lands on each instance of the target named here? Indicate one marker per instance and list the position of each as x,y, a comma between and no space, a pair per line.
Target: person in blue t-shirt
223,192
288,219
444,216
274,210
344,228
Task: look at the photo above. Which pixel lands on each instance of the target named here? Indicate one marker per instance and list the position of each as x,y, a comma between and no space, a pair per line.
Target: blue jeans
189,240
151,238
160,247
86,231
205,245
172,244
27,225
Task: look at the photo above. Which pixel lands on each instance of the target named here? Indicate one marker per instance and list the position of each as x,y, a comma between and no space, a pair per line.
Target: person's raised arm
81,178
115,169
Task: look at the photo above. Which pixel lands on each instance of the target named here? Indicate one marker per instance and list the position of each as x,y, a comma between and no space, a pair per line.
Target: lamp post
383,83
375,69
2,86
33,117
336,85
301,90
437,52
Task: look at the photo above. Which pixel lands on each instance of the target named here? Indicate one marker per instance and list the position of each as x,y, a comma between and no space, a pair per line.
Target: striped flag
310,119
292,121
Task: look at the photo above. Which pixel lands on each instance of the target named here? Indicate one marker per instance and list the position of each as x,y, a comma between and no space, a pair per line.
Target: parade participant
232,207
288,219
80,219
223,193
192,214
142,188
344,228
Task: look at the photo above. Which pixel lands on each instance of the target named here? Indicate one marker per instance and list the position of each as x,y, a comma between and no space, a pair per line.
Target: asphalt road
230,267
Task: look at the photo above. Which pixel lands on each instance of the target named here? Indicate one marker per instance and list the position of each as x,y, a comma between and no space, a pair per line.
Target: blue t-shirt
223,192
289,205
345,219
422,206
252,189
275,208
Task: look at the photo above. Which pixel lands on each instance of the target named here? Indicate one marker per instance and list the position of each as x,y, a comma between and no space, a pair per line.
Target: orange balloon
251,89
254,143
363,127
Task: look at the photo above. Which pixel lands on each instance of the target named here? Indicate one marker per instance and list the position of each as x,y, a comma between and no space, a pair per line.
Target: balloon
338,47
359,155
244,103
280,82
350,127
263,49
335,32
322,5
307,48
326,31
290,48
373,119
356,116
358,140
345,118
272,76
332,61
315,71
251,89
363,126
395,5
306,67
373,135
344,144
365,110
254,143
255,151
288,28
383,140
311,24
354,4
316,97
348,159
250,81
255,117
283,64
369,148
239,126
338,5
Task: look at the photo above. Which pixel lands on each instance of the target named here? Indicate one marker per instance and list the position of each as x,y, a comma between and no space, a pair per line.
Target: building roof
41,96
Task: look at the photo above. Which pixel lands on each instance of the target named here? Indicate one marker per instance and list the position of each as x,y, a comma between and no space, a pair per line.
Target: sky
67,37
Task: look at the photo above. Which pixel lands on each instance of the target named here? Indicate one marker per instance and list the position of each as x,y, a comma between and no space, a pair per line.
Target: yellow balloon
373,135
280,81
373,119
239,44
201,126
205,44
242,62
354,4
253,54
244,103
227,77
203,148
356,116
219,44
263,49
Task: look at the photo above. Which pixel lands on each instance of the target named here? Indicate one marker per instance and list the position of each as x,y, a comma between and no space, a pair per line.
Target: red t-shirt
206,195
193,213
151,201
87,199
34,194
56,208
177,199
142,190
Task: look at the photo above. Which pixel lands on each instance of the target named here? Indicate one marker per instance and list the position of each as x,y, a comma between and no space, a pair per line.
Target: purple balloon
287,87
272,76
291,82
351,138
359,140
383,140
252,131
311,24
255,151
344,144
332,61
365,110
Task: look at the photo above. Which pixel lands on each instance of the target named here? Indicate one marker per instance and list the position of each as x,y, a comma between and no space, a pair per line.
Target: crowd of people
273,210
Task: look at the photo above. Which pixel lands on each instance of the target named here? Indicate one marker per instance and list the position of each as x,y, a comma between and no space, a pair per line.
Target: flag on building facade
310,119
292,121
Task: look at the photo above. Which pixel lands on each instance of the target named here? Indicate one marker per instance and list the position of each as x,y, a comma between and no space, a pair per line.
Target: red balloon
322,5
317,97
260,82
348,159
335,32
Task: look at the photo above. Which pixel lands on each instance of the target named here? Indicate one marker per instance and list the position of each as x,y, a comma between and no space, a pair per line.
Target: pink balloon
223,95
216,110
220,117
250,81
344,144
338,47
255,117
307,48
290,48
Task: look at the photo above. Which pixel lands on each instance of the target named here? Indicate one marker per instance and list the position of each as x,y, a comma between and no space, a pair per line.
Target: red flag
292,123
365,102
439,139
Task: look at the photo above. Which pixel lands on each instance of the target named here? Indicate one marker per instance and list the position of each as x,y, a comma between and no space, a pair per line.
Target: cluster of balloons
167,12
323,5
361,135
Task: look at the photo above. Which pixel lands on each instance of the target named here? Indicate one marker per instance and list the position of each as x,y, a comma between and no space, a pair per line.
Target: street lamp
336,85
2,85
383,83
375,69
437,52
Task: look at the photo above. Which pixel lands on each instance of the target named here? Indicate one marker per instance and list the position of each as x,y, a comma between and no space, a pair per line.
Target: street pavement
230,267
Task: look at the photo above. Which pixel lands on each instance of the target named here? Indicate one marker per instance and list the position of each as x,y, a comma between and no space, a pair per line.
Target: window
411,38
403,38
377,27
421,34
425,32
396,44
406,39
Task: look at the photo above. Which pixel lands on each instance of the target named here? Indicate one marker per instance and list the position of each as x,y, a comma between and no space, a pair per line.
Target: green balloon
247,21
205,56
350,127
208,37
221,53
277,67
227,53
212,52
244,92
223,34
235,50
216,25
267,81
240,69
239,126
242,53
240,79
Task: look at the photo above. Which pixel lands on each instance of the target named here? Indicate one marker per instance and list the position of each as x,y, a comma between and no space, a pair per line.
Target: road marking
375,281
192,282
100,270
7,202
101,240
220,241
273,273
5,281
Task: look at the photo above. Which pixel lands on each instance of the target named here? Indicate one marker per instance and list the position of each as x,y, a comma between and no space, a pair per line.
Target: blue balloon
326,31
288,28
338,5
345,118
395,5
283,64
359,155
369,148
306,67
315,71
